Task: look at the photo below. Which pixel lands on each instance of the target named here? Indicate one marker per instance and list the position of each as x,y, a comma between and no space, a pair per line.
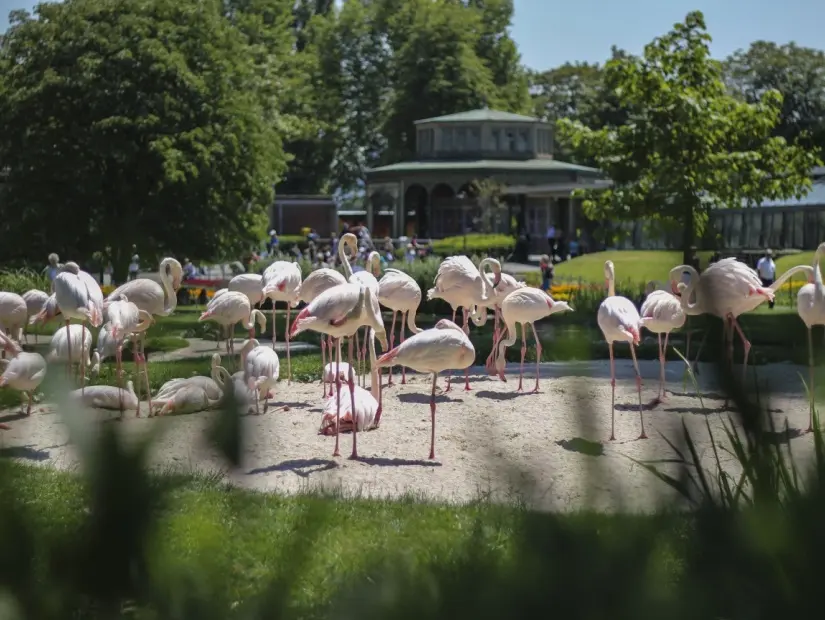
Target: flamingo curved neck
611,284
490,285
375,388
375,263
690,290
342,256
806,269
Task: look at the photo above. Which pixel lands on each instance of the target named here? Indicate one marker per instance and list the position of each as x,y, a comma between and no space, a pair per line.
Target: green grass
238,541
792,260
636,265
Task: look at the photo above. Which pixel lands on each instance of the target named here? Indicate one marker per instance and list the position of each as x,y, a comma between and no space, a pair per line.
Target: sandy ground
492,441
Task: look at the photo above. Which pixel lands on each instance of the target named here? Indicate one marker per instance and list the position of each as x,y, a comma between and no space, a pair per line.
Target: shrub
21,280
493,245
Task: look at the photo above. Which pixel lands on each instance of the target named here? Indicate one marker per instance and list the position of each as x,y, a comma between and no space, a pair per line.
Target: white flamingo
339,312
507,285
399,292
108,397
261,370
462,285
728,288
35,300
230,308
362,410
24,372
78,297
13,314
158,299
443,347
810,304
282,282
126,319
239,389
526,306
620,322
661,313
73,344
250,284
48,312
369,278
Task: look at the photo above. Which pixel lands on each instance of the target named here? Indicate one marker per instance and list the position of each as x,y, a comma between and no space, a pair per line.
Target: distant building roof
474,116
511,165
814,198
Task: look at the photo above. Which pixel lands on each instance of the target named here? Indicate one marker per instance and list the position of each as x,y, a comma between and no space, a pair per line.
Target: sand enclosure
491,441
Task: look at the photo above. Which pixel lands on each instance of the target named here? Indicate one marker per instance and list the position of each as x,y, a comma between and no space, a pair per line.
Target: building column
398,222
571,222
369,212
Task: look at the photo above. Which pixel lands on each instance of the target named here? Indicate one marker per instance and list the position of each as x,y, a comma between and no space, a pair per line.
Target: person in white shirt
766,269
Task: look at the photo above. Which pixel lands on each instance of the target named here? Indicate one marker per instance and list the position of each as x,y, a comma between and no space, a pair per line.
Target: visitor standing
766,269
134,267
551,238
546,266
52,269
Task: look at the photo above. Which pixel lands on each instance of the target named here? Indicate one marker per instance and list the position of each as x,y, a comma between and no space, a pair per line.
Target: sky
552,32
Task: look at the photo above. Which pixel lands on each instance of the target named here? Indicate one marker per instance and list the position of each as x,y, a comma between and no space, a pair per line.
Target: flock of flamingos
339,306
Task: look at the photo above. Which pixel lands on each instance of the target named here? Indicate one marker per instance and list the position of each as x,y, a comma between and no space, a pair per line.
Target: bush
21,280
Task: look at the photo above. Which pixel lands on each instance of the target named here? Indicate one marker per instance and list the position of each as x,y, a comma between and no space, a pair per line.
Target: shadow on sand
582,446
301,467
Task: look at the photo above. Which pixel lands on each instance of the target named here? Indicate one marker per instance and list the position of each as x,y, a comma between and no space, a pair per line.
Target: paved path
199,348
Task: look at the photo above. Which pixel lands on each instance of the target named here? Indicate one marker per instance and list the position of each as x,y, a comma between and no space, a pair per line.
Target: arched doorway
446,214
415,211
383,207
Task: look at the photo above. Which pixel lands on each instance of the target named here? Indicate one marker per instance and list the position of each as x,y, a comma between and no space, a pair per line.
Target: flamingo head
558,306
676,287
9,345
609,271
71,267
173,270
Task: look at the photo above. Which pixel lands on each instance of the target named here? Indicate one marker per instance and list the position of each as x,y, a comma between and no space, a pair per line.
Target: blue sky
551,32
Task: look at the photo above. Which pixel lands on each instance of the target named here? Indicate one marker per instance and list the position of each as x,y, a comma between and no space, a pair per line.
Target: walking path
199,348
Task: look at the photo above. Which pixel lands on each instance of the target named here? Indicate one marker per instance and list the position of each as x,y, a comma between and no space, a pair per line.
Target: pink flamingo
35,300
526,306
230,308
620,322
442,347
368,279
462,285
339,312
661,313
282,282
125,319
23,372
400,293
507,285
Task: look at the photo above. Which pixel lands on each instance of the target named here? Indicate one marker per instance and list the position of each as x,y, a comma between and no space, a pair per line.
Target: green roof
480,115
514,165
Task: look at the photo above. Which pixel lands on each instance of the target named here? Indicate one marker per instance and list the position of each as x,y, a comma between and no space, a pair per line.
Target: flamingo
727,289
526,306
35,300
125,319
261,370
282,282
661,313
158,299
230,308
369,279
399,292
339,312
362,409
13,314
78,297
620,322
236,384
72,344
108,397
507,285
810,304
445,346
462,285
250,284
23,372
330,376
208,384
48,312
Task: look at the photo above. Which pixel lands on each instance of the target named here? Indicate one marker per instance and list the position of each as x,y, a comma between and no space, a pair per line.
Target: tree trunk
688,236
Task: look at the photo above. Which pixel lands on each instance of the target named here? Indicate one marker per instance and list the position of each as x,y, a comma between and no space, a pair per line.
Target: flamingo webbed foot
642,436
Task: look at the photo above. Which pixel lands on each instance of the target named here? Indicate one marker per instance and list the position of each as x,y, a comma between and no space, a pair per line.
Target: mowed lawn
636,265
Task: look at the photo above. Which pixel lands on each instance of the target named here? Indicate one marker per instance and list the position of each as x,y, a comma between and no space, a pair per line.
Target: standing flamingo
282,282
368,279
661,313
125,319
620,322
230,308
250,284
261,370
442,347
399,292
727,289
319,281
462,285
526,306
72,344
810,304
507,285
339,312
79,297
24,371
13,314
35,300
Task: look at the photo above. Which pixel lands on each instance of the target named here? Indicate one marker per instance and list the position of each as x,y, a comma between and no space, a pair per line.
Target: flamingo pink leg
288,358
274,331
358,352
450,376
612,393
146,368
337,452
403,368
538,356
69,348
432,417
523,354
664,367
82,365
392,342
811,379
363,369
380,400
354,454
466,312
329,350
745,344
491,359
118,359
323,366
661,392
638,388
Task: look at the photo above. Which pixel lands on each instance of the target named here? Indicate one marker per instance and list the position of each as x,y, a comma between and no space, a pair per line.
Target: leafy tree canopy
689,144
133,121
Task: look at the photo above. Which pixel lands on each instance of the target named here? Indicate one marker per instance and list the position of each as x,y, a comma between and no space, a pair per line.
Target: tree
134,122
689,144
798,73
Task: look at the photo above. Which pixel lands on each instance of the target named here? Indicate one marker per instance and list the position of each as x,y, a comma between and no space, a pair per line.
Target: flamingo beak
176,283
674,287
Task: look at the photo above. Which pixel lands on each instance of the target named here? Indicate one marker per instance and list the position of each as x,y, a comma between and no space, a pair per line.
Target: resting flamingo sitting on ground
366,404
282,282
399,292
526,306
462,285
24,372
108,397
442,347
339,312
620,322
661,313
